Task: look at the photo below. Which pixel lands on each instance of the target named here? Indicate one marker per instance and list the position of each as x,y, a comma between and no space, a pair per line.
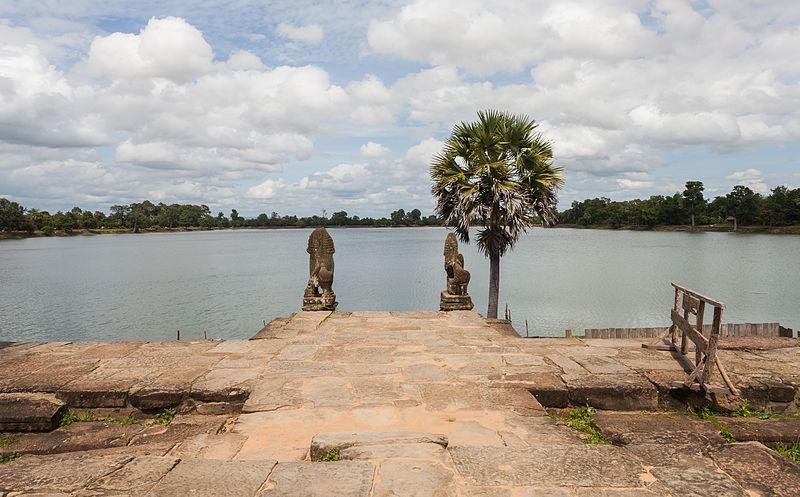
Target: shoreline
19,235
764,230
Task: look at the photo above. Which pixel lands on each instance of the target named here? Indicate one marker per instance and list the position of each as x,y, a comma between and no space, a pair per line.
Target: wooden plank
700,296
698,355
711,351
699,340
691,304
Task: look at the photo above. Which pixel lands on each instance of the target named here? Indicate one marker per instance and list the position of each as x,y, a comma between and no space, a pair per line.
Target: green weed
330,456
10,457
8,440
792,451
581,420
71,416
165,417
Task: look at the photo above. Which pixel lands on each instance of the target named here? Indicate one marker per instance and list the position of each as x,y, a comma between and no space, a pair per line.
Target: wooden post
698,355
179,335
711,351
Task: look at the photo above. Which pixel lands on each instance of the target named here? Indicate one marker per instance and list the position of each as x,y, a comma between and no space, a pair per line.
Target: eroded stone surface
56,473
207,478
570,465
316,479
29,411
325,442
759,469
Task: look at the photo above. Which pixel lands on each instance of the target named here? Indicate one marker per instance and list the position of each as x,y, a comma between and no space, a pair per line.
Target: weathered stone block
697,481
56,473
155,398
558,465
325,442
641,428
764,430
613,392
29,412
320,479
759,470
206,478
417,478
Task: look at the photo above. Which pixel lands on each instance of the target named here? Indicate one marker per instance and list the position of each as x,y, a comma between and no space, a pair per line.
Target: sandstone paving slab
620,392
763,430
53,377
60,473
29,411
393,451
76,437
208,478
697,482
327,441
320,479
414,478
221,446
759,470
136,477
270,394
181,428
566,465
677,455
655,428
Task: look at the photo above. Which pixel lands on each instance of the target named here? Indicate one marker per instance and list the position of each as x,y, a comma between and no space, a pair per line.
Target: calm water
116,287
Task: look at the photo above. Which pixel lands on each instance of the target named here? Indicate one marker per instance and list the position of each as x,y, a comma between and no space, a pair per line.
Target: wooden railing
691,306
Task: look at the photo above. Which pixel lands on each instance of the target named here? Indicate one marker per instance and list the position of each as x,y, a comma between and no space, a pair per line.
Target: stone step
29,412
768,431
325,442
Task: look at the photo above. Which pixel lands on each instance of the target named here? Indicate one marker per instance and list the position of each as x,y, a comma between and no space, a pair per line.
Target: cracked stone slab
697,482
564,465
320,479
137,476
56,473
29,411
616,392
417,478
208,478
327,441
640,428
764,430
73,438
409,451
759,470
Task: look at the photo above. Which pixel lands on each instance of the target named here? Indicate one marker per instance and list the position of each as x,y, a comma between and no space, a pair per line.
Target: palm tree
497,173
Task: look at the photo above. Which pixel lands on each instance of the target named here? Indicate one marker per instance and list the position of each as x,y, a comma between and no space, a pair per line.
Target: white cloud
310,33
169,48
751,178
372,149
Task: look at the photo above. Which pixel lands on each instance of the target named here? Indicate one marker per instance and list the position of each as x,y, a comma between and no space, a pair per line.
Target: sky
295,106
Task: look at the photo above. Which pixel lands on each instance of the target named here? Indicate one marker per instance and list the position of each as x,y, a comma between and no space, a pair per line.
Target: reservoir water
227,283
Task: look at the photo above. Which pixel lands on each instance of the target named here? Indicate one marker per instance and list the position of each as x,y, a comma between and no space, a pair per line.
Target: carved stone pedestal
450,302
320,303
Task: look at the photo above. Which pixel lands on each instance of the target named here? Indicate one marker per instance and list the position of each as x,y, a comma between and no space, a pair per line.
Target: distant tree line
781,207
147,215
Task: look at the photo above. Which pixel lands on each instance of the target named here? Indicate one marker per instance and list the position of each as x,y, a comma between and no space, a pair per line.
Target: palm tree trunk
494,284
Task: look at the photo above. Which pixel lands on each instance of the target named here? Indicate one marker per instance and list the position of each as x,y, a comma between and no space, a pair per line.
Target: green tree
497,173
693,197
12,215
339,218
414,217
743,204
398,217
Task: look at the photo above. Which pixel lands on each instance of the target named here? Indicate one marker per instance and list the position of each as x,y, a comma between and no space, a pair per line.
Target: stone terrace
420,403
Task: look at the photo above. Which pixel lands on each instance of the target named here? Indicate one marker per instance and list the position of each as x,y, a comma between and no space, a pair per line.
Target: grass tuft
71,416
10,457
582,420
165,417
792,451
7,440
331,456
